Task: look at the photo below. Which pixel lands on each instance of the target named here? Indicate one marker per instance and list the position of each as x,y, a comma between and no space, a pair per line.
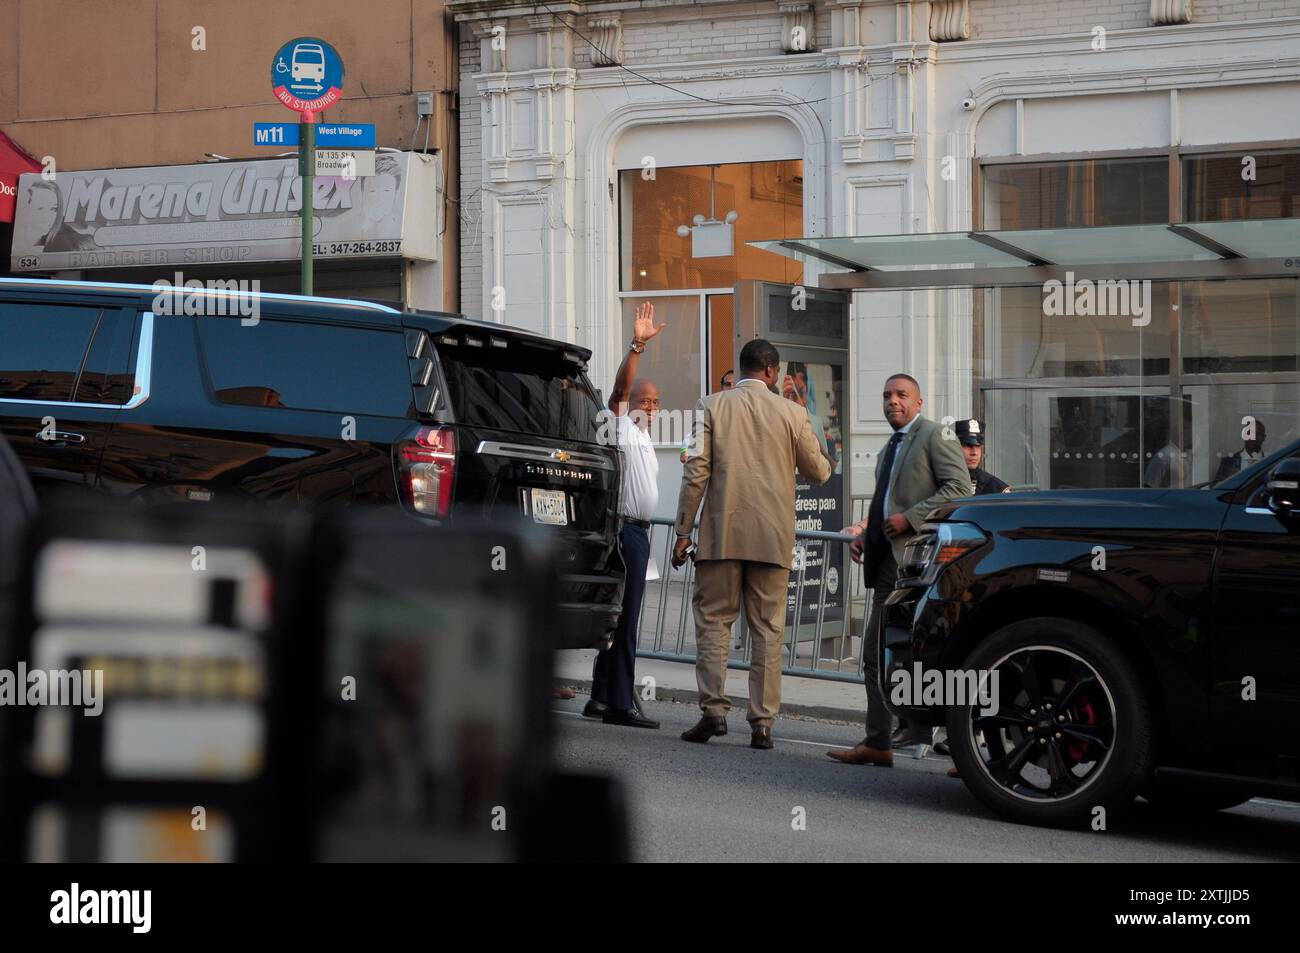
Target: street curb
684,696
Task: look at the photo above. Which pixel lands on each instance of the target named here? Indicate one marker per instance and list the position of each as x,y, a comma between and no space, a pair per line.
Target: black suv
137,393
1145,642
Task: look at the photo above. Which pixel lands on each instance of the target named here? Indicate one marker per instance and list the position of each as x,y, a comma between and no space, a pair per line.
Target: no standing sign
307,75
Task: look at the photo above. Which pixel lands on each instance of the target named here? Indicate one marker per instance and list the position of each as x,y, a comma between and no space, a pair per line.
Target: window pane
767,198
307,366
1242,424
722,339
1081,192
1027,337
672,359
519,389
108,377
1217,187
1250,329
1239,326
41,348
1085,438
1015,444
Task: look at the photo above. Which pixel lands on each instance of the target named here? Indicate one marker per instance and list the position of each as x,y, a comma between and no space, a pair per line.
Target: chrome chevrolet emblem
561,455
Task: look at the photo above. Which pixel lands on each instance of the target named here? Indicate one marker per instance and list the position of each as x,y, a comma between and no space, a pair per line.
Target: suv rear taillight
427,467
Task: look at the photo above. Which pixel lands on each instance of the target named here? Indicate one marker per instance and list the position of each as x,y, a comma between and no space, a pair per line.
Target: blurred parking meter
172,624
280,686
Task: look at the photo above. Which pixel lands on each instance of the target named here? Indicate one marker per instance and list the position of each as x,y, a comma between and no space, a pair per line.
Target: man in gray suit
920,468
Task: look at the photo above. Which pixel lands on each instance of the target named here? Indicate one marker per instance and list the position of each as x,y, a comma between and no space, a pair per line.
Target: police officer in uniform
971,434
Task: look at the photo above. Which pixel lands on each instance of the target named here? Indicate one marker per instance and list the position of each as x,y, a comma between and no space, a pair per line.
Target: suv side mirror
1284,489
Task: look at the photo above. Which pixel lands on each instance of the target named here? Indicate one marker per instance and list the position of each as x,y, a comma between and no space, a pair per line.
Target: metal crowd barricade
826,649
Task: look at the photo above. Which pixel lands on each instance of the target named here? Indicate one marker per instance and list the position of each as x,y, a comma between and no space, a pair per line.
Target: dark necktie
876,513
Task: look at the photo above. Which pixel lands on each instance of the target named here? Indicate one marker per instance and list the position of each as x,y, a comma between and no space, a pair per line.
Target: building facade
146,142
605,145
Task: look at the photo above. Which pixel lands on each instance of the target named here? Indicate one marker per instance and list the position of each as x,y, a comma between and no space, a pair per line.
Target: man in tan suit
748,443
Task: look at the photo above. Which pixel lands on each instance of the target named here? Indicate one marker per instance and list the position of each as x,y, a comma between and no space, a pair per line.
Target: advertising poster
819,389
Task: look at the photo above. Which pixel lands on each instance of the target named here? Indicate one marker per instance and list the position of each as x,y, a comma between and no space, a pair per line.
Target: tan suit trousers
720,586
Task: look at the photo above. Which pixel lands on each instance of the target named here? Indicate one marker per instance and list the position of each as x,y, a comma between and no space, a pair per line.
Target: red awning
14,161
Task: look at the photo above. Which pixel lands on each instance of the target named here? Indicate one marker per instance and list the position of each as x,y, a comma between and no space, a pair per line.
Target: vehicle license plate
550,507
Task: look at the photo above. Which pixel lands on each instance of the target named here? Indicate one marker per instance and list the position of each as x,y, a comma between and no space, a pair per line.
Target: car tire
1072,731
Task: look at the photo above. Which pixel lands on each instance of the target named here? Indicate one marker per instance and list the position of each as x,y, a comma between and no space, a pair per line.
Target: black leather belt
644,524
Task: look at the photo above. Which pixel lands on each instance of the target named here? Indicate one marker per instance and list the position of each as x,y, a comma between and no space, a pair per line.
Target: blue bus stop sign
307,75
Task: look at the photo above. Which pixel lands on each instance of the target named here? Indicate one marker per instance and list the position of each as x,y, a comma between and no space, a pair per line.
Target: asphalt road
724,801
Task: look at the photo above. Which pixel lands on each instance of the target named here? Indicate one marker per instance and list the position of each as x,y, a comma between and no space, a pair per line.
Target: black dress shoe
594,709
761,738
706,728
629,717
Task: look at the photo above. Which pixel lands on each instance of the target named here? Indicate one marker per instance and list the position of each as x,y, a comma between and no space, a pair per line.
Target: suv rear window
306,366
107,376
44,348
519,388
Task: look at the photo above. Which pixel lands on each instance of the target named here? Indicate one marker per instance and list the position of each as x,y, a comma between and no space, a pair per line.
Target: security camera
968,103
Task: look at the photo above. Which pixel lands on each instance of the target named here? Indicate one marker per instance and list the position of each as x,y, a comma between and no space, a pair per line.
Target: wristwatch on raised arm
636,346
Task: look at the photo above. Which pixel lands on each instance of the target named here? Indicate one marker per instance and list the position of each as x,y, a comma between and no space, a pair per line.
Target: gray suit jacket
928,470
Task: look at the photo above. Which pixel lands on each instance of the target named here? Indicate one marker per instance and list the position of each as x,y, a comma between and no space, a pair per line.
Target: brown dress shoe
954,773
709,726
863,754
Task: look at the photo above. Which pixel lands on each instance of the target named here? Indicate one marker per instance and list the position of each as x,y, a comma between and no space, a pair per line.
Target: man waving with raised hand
635,404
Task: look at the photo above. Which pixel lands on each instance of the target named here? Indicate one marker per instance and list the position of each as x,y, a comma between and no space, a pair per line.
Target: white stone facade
873,105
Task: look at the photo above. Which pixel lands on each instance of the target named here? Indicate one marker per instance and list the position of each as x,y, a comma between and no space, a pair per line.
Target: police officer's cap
970,432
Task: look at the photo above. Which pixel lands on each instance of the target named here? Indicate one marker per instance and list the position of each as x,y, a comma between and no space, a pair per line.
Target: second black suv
1144,642
317,401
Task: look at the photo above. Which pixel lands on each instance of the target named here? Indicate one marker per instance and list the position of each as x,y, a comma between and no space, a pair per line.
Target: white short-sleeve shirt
639,494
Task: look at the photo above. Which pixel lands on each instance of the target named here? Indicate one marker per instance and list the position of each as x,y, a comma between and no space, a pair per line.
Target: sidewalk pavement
801,696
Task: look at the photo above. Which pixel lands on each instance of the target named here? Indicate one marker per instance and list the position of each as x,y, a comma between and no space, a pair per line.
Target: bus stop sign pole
307,77
307,169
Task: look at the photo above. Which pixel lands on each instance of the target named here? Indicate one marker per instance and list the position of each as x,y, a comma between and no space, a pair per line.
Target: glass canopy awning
1256,248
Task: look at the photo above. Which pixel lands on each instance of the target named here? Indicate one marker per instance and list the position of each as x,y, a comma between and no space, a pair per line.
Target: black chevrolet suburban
136,393
1145,642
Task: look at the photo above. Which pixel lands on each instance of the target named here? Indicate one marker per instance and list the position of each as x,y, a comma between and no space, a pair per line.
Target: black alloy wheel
1071,731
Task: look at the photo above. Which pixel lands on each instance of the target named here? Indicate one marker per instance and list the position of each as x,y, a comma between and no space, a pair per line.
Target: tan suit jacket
748,443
